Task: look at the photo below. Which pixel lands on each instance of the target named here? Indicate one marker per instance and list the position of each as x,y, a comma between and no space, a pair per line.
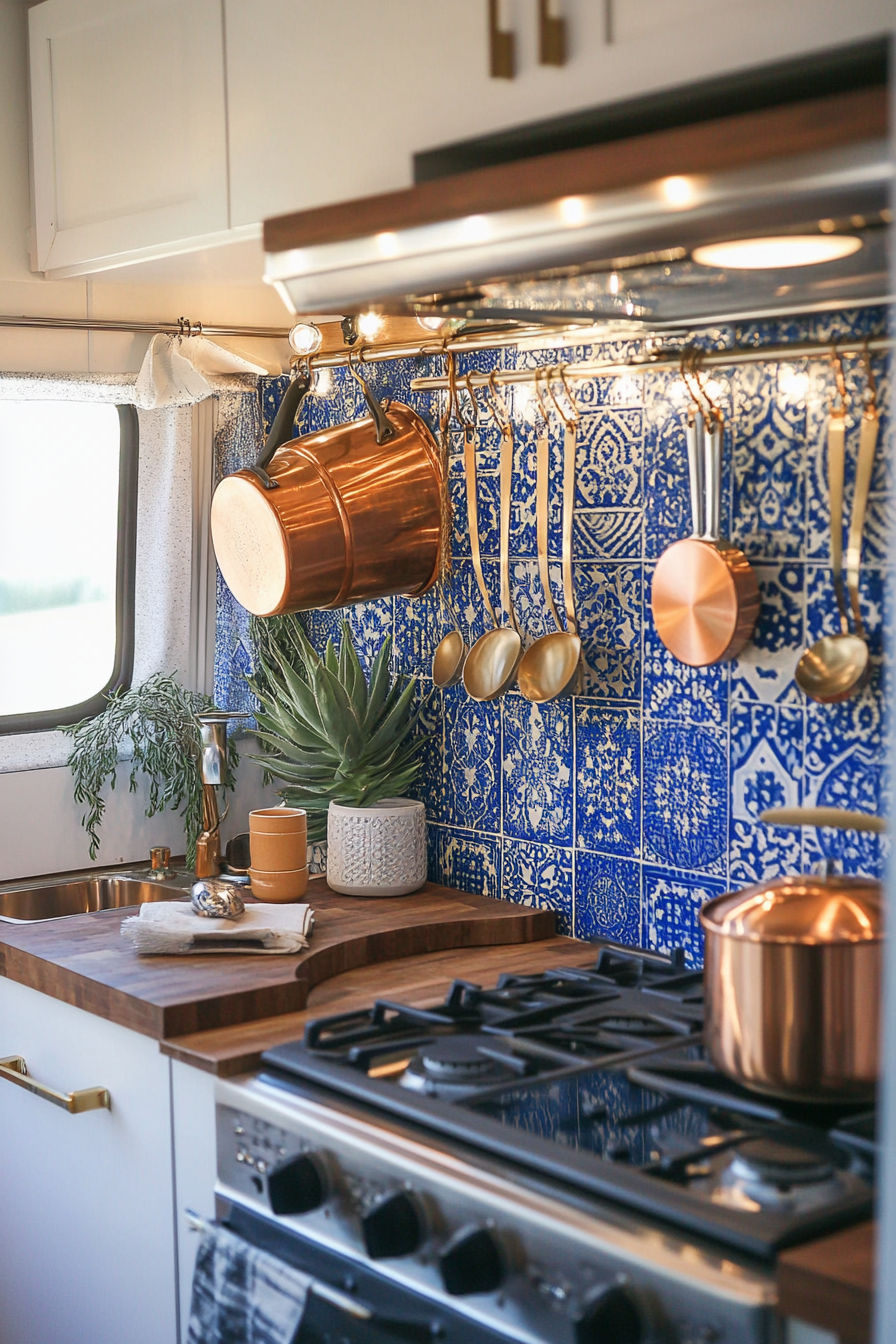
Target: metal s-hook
385,430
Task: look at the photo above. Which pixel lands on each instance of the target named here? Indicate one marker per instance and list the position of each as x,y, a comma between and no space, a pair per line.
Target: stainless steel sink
78,896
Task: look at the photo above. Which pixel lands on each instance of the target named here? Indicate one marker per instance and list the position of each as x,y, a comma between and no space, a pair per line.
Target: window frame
46,720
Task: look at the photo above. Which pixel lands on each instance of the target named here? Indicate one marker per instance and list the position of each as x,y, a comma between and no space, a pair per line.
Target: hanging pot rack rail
182,327
783,353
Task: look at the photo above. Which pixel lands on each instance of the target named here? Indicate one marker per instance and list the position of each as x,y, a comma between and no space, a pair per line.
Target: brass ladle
836,666
550,667
493,660
451,650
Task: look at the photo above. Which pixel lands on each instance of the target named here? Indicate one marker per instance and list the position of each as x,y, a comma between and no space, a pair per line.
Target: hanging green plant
156,725
332,733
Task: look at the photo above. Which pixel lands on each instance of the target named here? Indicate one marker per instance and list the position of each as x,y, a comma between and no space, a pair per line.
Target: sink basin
77,896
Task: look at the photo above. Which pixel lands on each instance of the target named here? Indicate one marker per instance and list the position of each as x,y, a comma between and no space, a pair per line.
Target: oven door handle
415,1332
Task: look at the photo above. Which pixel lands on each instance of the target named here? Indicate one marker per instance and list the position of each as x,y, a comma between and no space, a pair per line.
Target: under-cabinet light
769,254
305,338
370,325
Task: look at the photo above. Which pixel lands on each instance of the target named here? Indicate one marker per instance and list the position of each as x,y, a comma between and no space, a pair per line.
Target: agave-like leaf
302,698
331,662
379,684
394,723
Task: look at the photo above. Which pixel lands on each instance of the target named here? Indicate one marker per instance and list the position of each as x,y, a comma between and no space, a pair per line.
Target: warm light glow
388,244
768,254
572,210
677,190
475,229
432,323
305,338
793,384
323,383
614,283
370,325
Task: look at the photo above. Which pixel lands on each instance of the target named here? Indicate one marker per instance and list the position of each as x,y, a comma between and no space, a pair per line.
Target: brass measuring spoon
451,650
550,667
836,666
492,662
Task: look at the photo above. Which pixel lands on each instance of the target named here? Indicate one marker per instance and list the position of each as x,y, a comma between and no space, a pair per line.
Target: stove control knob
298,1185
472,1262
610,1317
392,1227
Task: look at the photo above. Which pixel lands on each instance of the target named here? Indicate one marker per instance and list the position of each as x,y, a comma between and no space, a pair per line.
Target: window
68,496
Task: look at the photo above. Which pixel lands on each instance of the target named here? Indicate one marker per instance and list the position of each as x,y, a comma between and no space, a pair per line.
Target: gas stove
553,1157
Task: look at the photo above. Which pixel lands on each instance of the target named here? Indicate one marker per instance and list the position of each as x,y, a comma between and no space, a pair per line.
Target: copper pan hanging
705,597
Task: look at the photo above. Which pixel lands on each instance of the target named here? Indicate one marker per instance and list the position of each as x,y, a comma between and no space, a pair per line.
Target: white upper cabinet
129,128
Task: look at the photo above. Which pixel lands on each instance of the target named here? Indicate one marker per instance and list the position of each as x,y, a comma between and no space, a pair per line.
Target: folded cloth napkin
176,369
242,1295
168,927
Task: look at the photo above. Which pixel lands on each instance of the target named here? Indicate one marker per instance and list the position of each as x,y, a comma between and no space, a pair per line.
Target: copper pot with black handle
344,515
792,980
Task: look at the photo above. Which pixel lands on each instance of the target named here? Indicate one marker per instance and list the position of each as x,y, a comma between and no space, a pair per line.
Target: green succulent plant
332,733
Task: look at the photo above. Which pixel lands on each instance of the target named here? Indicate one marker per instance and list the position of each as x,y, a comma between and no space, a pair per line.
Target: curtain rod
182,327
784,353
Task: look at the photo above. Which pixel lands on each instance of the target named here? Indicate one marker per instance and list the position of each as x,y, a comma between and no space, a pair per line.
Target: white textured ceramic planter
377,851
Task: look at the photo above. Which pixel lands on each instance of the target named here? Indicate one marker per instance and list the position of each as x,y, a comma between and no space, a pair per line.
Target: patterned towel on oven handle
242,1295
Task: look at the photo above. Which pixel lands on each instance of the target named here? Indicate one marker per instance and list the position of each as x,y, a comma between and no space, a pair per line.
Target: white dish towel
176,370
170,928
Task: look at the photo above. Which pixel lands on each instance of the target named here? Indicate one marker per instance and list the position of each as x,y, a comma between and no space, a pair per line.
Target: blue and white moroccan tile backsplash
626,808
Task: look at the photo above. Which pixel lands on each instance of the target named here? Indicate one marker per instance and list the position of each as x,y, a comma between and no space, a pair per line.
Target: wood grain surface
84,960
420,980
830,1283
713,146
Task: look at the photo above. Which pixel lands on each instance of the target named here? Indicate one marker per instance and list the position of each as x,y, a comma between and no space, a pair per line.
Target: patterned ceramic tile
608,779
822,616
537,770
608,898
846,766
764,669
608,606
672,904
472,761
607,534
685,796
767,747
667,511
540,876
672,690
768,506
465,860
608,460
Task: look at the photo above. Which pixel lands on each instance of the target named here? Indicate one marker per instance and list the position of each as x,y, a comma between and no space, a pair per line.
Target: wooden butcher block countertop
85,961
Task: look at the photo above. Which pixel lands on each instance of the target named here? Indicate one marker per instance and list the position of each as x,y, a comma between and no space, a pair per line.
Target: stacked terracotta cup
278,853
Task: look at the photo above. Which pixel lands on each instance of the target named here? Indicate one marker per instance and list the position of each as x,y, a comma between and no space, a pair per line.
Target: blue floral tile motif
472,761
667,511
537,770
765,669
540,876
767,748
685,796
608,779
846,767
608,898
608,605
607,534
768,507
672,905
464,859
672,690
822,614
608,460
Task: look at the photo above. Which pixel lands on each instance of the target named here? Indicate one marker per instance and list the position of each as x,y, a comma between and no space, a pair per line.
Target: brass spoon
550,667
836,666
493,660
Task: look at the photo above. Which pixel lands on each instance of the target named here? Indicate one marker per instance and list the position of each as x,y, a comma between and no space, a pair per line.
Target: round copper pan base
705,601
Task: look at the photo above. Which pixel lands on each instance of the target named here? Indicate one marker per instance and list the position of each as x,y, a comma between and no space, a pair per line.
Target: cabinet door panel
129,133
87,1227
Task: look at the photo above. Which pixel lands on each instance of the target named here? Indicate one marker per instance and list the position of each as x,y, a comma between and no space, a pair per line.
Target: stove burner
768,1162
456,1059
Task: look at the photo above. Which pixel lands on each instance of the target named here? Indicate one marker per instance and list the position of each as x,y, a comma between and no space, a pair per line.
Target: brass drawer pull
15,1070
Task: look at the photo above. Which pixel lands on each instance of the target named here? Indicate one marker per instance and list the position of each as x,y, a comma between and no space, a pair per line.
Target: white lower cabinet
88,1221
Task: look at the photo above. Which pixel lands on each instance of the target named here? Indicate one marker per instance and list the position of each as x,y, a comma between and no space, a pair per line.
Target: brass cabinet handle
15,1070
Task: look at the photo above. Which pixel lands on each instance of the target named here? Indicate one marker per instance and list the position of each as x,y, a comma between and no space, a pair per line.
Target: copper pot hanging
705,597
344,515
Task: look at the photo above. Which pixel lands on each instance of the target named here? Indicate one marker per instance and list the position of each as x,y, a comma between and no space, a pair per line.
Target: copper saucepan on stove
705,597
792,978
344,515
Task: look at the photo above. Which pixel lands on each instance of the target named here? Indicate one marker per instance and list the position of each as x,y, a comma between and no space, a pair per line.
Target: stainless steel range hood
607,234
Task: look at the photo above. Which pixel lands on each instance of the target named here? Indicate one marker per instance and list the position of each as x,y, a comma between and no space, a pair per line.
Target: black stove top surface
598,1078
